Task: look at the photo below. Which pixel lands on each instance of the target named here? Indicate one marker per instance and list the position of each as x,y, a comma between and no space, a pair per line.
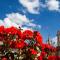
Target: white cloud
32,6
9,23
16,20
34,25
21,20
54,41
1,22
53,5
39,26
25,28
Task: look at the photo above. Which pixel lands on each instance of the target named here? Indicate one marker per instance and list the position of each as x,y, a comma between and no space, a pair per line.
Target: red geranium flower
19,33
51,57
57,57
1,29
43,46
38,37
53,49
33,51
40,58
47,46
20,44
27,34
4,58
12,44
43,54
11,30
7,30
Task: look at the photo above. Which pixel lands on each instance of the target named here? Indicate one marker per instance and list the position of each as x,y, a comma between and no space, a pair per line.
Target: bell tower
58,43
58,38
49,41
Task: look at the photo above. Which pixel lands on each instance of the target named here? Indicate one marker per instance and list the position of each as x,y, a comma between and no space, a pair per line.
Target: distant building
49,41
58,43
58,38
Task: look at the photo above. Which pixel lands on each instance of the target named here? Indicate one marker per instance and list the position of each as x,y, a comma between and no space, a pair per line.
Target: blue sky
46,17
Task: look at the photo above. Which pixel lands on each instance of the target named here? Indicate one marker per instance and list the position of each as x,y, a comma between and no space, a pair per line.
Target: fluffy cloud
32,6
33,25
53,5
16,20
9,23
54,41
1,22
24,28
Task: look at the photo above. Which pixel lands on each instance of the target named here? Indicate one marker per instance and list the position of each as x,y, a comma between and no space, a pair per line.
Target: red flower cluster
8,35
52,58
33,51
20,44
4,58
14,38
27,34
38,37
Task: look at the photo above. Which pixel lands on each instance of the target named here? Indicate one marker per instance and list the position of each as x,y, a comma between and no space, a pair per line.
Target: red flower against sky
11,30
16,39
38,37
19,33
27,34
1,29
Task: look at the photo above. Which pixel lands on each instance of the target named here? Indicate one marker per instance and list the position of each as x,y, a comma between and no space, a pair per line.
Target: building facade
58,43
